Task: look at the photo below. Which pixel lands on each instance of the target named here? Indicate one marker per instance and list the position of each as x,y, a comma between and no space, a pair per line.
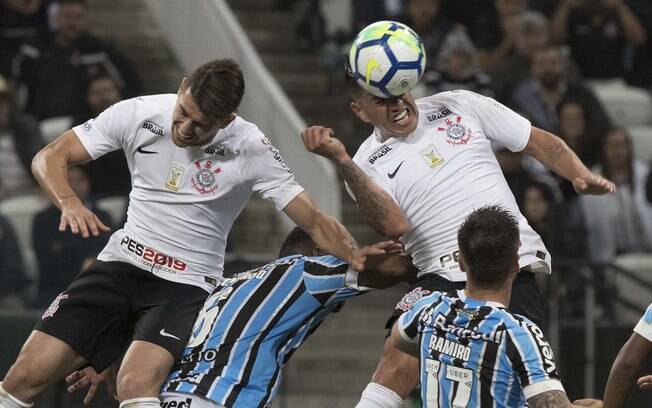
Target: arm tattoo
554,152
372,203
550,399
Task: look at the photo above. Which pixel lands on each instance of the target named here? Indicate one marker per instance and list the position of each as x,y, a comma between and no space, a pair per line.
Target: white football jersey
183,201
446,169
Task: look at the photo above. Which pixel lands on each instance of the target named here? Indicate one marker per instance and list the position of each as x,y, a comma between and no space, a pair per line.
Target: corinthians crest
204,180
456,133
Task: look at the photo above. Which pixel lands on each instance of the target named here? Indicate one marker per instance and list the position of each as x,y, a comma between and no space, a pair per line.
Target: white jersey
183,201
446,169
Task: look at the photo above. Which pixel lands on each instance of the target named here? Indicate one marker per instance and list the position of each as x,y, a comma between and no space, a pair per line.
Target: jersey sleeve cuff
527,127
351,280
644,329
287,198
541,387
83,139
400,323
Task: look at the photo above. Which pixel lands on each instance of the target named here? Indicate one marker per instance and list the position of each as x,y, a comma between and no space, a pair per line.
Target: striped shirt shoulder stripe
644,326
408,322
528,358
541,387
644,329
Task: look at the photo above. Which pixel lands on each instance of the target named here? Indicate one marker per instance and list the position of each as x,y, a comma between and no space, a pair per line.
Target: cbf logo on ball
387,59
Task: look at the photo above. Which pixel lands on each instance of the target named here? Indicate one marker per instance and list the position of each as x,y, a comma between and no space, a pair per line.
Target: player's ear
359,112
460,260
182,86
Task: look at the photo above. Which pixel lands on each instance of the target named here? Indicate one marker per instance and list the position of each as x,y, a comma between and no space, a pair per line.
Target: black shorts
526,298
112,303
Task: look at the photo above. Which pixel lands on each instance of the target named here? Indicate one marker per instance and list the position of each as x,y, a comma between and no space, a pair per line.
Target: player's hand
588,402
88,377
368,257
593,184
80,219
645,382
320,140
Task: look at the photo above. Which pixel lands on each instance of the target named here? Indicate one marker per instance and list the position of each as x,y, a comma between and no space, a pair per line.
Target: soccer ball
387,59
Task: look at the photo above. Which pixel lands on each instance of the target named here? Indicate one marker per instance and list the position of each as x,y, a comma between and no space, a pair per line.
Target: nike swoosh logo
166,334
392,174
143,151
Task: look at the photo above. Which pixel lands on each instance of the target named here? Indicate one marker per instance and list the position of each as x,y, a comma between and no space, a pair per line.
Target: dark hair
297,242
352,86
98,76
606,170
217,88
489,241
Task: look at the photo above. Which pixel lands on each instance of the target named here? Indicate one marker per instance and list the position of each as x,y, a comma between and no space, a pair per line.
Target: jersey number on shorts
206,317
462,384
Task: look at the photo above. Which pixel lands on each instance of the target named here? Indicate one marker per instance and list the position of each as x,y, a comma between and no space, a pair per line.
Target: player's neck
501,295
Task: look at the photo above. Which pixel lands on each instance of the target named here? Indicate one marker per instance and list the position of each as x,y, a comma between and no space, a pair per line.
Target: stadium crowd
538,57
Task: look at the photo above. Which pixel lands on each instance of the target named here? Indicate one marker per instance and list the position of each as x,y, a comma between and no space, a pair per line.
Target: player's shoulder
455,98
146,106
435,298
516,323
245,136
366,148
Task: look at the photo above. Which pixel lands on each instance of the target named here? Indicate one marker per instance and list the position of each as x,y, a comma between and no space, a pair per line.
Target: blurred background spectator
20,21
427,19
597,30
54,68
20,140
531,34
60,255
622,222
576,131
494,32
548,85
640,73
12,270
109,175
456,67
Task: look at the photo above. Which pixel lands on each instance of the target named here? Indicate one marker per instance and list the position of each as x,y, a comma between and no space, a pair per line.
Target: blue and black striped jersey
251,325
477,354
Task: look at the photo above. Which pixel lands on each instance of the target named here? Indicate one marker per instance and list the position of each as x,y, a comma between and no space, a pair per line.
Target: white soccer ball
387,59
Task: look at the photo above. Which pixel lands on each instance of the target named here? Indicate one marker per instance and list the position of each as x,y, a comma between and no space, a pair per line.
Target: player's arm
625,369
376,206
50,167
555,154
397,341
325,230
383,271
558,399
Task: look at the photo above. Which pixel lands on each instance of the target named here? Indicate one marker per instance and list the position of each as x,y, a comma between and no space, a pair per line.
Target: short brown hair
217,88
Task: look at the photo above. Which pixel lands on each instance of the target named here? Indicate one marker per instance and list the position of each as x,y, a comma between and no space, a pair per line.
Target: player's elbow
626,364
395,227
38,162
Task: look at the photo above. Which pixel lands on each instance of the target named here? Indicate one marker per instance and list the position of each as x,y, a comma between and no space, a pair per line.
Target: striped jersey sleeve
532,359
408,322
328,278
644,326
